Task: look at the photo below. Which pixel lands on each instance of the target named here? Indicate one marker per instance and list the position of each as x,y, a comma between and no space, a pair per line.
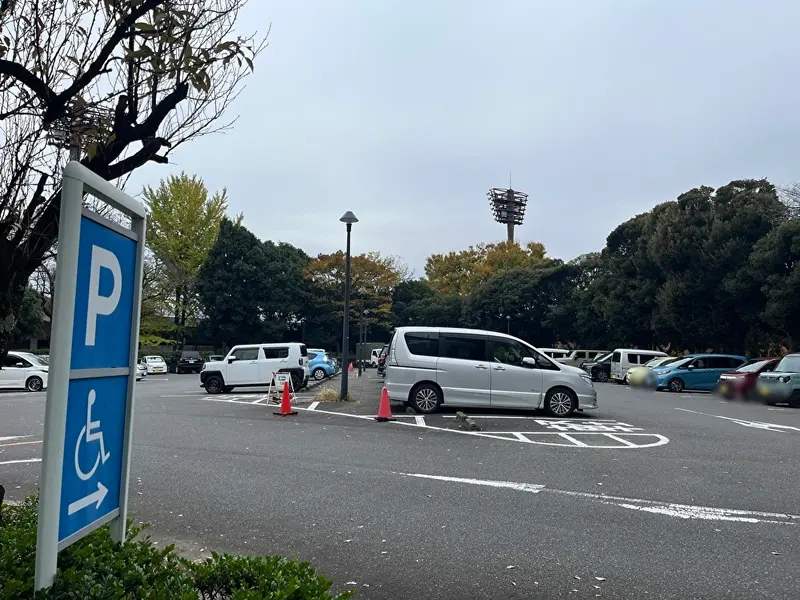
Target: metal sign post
93,350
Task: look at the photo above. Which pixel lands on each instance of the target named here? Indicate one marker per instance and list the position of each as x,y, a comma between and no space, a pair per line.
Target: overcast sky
408,112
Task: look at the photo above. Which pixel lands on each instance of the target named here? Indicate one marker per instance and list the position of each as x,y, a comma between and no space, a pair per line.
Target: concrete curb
467,423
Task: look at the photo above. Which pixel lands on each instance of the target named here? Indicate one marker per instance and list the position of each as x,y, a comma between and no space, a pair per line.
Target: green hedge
96,567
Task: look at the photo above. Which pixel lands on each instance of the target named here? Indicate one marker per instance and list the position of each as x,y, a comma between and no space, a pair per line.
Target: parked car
374,355
189,361
782,384
697,372
320,366
741,382
23,370
432,366
576,357
624,358
643,376
252,365
599,370
155,364
141,371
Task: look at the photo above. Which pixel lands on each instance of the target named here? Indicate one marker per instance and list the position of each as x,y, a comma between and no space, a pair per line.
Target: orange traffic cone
286,403
384,410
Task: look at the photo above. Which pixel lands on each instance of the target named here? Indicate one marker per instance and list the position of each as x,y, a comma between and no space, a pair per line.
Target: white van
625,358
559,354
252,365
576,357
431,366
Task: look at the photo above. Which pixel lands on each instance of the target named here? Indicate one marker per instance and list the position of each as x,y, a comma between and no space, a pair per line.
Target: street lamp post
508,324
348,219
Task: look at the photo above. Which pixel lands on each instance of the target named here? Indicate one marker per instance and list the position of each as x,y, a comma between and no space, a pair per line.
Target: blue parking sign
93,446
93,349
101,331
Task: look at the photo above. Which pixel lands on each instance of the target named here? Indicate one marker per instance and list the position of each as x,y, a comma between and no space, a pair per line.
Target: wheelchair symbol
91,431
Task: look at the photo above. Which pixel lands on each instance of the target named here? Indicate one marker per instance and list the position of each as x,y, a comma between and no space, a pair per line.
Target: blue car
696,372
320,365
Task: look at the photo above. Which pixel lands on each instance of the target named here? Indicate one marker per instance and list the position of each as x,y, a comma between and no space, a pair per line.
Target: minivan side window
277,352
616,357
245,354
509,352
633,359
464,347
422,344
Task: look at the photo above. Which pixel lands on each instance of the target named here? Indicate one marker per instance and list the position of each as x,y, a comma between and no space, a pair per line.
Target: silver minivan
431,366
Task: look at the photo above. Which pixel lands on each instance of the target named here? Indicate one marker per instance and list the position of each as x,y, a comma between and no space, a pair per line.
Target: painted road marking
754,424
419,420
521,487
20,443
313,406
620,440
24,460
669,509
13,437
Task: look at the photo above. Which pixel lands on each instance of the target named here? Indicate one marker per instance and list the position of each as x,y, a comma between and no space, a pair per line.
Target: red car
741,381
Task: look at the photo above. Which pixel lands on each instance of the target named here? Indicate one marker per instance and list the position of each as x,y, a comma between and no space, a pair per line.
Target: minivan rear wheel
560,402
426,398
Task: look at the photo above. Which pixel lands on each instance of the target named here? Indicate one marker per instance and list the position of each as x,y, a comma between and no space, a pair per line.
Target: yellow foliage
460,272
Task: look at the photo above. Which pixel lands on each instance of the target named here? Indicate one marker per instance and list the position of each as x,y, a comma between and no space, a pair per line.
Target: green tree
31,319
249,290
775,266
529,296
124,83
183,225
415,302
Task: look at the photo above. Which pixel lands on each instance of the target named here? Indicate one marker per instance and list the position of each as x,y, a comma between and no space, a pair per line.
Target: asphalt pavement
654,495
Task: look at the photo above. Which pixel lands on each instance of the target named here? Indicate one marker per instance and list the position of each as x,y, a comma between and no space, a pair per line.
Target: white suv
429,366
23,370
253,365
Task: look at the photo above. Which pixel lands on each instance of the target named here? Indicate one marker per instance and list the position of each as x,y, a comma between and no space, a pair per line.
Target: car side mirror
231,359
20,365
691,367
529,362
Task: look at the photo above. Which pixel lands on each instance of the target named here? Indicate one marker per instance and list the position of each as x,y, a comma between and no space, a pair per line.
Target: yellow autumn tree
182,225
460,272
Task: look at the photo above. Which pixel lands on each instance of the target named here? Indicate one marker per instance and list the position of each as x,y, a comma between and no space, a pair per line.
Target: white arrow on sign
95,497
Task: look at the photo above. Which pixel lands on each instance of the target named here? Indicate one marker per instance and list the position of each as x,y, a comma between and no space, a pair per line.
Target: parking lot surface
653,495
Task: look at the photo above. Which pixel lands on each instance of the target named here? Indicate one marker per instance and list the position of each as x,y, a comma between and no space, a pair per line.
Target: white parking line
419,420
754,424
313,406
24,460
669,509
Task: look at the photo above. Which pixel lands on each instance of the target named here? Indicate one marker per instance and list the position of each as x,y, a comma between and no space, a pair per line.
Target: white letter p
101,305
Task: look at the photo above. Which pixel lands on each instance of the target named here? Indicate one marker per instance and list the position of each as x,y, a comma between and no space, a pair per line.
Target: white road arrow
95,497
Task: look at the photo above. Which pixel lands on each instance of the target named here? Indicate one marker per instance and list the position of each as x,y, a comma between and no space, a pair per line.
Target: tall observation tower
508,206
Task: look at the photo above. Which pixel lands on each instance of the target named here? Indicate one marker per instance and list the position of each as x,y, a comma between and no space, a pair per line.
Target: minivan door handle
499,368
481,367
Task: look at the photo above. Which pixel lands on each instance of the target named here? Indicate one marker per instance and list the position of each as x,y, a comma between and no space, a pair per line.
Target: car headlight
784,378
587,379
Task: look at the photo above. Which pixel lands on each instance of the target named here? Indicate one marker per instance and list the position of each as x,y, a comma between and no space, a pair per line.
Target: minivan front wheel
560,402
426,398
601,376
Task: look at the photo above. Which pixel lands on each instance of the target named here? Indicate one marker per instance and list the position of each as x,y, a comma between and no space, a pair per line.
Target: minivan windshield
789,364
